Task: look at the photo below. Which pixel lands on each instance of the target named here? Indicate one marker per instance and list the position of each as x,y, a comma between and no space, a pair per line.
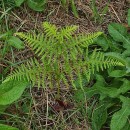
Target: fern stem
58,89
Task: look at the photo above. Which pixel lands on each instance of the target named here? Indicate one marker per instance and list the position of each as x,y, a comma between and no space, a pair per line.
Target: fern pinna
62,57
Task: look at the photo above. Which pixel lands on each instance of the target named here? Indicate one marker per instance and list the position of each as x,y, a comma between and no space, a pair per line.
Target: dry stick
3,65
35,107
22,23
36,21
115,13
29,126
58,10
16,16
47,110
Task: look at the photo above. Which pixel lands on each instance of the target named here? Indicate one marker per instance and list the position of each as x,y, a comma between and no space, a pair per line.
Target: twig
115,13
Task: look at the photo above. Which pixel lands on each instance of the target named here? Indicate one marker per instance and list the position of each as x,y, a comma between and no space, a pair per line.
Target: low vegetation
93,67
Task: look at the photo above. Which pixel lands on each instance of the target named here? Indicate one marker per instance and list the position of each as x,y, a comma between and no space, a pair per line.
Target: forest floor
38,109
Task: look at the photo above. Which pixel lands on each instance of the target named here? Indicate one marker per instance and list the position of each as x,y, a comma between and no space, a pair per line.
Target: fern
99,61
50,30
61,56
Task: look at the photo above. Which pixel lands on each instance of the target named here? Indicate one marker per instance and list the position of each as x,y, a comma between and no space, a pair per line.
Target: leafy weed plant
11,88
62,56
98,15
111,89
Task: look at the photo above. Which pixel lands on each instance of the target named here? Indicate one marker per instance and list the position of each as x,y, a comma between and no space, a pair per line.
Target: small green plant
62,56
12,90
98,15
8,39
7,43
112,88
65,4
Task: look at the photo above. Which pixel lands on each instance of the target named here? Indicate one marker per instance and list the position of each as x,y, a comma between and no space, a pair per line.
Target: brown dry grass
24,19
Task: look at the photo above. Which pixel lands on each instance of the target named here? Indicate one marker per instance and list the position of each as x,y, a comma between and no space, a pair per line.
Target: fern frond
28,38
117,56
50,30
32,40
86,40
99,61
67,32
38,43
31,71
61,56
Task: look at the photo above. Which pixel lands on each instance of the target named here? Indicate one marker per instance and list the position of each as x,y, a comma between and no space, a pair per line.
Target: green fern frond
98,61
117,56
38,43
67,32
31,71
31,39
50,30
86,40
61,57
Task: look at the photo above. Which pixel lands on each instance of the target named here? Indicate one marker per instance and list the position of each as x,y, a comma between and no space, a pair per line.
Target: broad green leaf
6,127
117,73
118,32
128,17
127,46
128,64
16,42
126,53
115,92
108,90
91,92
99,116
103,42
94,89
37,5
127,126
11,90
114,46
119,118
18,2
124,87
6,35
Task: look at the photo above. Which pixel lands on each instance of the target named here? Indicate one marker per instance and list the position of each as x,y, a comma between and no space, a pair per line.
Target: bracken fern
62,57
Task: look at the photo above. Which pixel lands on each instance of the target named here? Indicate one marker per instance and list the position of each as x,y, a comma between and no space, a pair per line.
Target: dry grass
24,19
